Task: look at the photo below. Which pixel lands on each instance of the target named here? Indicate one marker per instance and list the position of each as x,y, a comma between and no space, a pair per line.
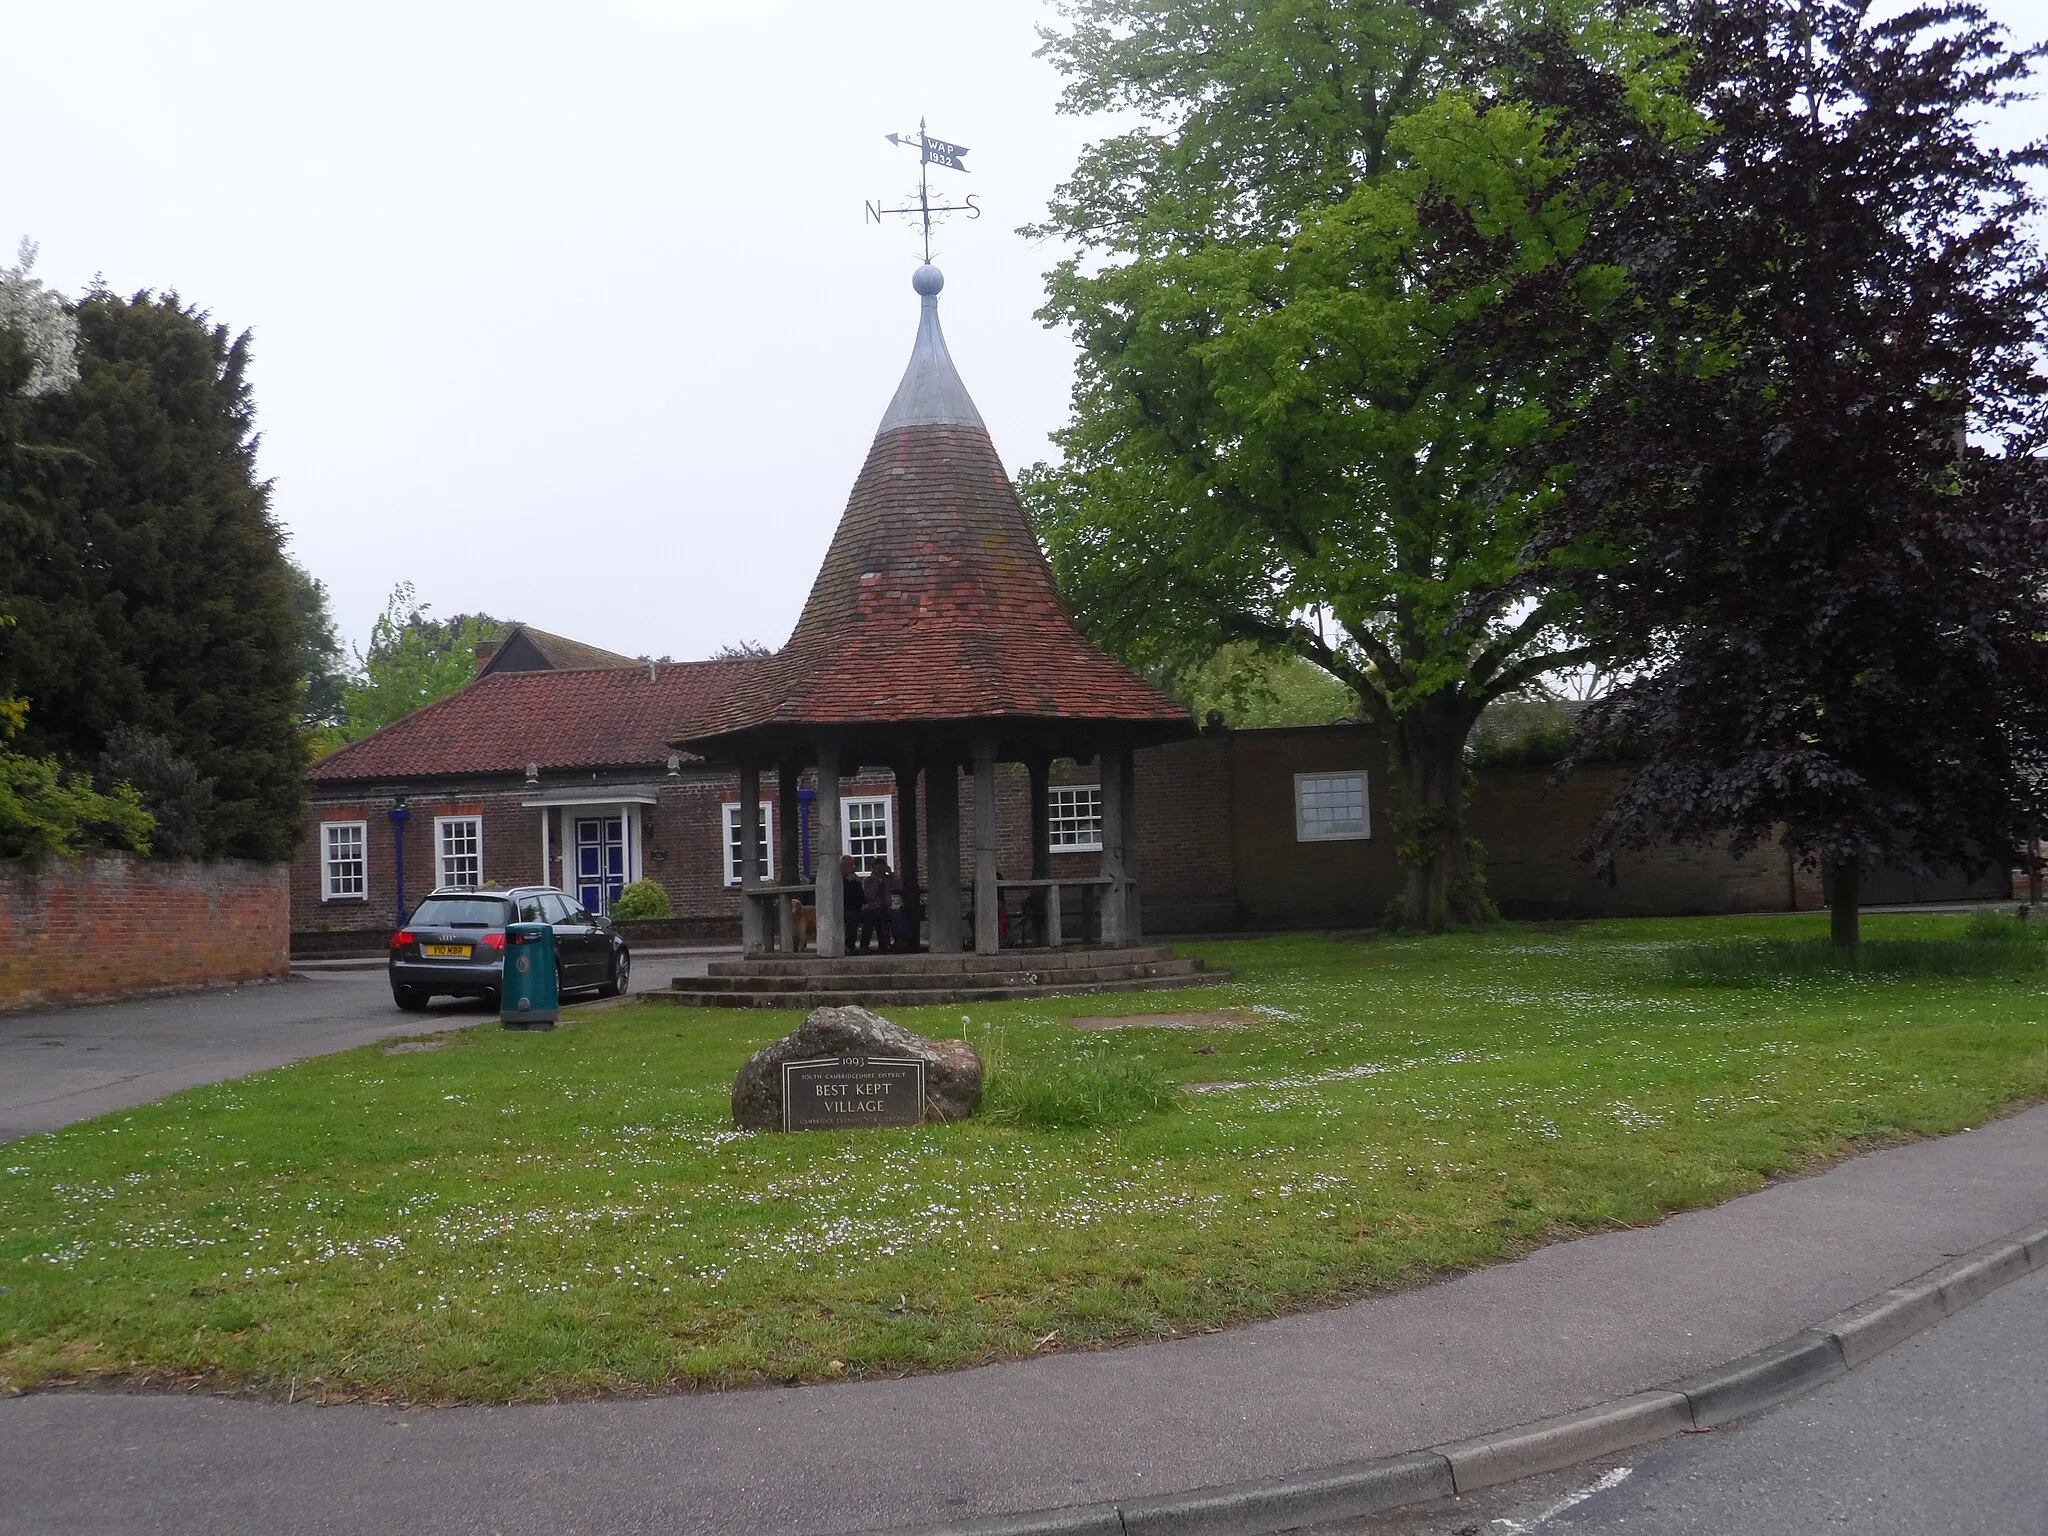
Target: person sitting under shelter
851,898
880,891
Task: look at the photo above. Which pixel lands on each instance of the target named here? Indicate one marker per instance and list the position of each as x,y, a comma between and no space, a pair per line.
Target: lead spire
931,394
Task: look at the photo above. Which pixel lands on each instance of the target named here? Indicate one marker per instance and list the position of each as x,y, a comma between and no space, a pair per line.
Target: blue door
600,861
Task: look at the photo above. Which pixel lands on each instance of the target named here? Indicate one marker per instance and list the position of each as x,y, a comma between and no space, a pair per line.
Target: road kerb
2036,1241
1763,1379
1716,1396
1979,1273
1868,1329
1072,1520
1567,1439
1284,1504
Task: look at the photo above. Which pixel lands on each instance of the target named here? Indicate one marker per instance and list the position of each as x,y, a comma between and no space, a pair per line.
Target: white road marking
1612,1479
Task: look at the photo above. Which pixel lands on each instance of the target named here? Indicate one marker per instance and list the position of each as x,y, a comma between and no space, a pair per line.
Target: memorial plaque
832,1092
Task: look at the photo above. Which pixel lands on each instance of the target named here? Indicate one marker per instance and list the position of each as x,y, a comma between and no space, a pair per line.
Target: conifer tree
145,572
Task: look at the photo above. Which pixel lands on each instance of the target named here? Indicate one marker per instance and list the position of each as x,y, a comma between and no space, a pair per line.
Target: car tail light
494,941
403,937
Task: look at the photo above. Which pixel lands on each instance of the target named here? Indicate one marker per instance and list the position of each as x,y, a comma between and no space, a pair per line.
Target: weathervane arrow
936,151
930,152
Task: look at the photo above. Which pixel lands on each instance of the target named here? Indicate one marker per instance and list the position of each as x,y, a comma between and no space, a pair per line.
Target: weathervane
931,152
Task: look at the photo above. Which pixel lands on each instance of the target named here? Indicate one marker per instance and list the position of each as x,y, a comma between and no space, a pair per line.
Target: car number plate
445,951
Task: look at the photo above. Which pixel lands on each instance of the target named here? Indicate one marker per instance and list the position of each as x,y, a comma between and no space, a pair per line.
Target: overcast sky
568,312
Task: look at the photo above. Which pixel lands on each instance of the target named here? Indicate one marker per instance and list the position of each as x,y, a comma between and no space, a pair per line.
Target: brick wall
1533,831
75,930
1284,883
1187,855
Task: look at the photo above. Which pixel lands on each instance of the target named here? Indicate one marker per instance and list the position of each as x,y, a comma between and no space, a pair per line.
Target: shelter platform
811,981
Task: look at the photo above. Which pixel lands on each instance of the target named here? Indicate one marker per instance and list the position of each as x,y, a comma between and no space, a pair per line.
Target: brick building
525,776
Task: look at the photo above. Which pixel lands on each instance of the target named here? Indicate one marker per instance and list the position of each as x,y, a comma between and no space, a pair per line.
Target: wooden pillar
788,863
1127,775
753,932
907,863
1043,913
1115,910
942,849
987,922
825,855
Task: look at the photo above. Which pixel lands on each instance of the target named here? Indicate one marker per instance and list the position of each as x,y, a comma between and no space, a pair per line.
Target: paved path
1948,1433
69,1064
1576,1323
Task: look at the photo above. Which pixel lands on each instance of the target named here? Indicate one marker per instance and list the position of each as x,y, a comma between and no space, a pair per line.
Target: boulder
952,1072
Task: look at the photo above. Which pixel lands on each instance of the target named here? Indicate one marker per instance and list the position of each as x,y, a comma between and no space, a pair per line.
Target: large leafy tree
1819,469
140,560
1327,308
413,659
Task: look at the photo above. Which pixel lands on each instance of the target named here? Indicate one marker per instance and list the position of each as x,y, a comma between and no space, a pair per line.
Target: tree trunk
1845,905
1446,880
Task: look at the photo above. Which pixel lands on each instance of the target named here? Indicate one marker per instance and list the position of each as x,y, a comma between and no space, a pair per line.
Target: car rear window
461,912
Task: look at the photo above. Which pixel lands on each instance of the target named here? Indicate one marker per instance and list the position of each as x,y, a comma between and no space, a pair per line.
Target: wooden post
1039,766
1127,775
825,856
788,865
942,850
908,865
987,919
1115,910
753,934
1054,931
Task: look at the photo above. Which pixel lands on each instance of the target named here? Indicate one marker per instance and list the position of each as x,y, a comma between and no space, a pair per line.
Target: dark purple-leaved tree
1816,471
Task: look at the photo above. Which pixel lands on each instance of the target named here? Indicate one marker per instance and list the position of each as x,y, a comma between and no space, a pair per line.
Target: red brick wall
1282,883
1187,856
1533,831
72,930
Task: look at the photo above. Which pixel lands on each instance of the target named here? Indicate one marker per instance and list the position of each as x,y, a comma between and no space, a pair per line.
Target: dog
803,922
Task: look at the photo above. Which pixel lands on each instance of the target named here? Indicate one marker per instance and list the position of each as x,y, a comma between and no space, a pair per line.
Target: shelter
935,639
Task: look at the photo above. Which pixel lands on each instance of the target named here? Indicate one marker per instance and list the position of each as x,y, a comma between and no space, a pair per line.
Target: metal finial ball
927,280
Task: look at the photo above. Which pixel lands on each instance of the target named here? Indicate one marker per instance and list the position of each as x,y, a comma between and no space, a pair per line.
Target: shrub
643,898
1097,1087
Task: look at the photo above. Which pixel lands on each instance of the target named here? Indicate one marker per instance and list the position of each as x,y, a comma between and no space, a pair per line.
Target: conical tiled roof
935,603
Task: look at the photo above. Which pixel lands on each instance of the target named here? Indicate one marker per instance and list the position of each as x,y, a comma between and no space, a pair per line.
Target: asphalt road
1948,1433
69,1064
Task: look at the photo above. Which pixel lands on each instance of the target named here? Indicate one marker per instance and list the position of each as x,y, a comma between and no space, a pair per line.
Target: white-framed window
459,851
864,831
1075,814
344,861
766,870
1331,807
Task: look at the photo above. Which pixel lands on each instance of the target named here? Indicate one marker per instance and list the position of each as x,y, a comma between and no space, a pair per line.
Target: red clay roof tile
591,718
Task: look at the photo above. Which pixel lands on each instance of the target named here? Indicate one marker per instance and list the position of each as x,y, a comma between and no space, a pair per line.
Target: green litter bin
531,997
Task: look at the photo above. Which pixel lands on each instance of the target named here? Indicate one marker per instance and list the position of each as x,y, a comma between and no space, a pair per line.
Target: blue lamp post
399,815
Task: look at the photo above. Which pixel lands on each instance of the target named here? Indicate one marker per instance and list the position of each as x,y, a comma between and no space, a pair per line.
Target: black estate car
454,945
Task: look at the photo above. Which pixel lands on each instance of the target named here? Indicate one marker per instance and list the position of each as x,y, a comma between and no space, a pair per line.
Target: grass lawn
524,1216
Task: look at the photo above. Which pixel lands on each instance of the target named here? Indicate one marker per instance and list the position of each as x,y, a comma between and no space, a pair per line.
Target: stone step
875,966
868,997
833,978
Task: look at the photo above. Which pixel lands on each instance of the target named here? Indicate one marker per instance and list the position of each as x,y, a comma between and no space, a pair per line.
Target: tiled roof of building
583,718
558,652
935,602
